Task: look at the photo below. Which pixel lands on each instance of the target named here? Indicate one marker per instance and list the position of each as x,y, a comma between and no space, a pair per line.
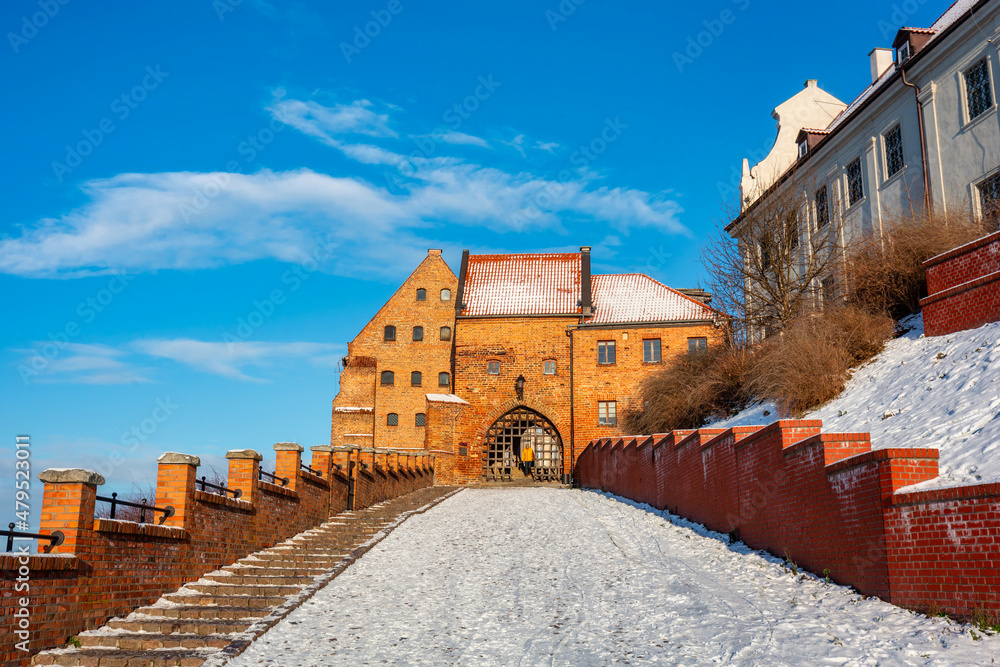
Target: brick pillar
175,487
288,459
322,459
68,506
244,470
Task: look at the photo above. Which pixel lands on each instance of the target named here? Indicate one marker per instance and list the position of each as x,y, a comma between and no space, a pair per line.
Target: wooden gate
515,430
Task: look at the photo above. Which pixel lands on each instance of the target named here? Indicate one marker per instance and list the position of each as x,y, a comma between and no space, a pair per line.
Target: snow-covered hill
941,392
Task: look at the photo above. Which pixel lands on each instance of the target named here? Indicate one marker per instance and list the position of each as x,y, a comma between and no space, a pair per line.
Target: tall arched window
418,333
420,419
421,294
416,378
392,419
444,380
390,333
445,333
388,377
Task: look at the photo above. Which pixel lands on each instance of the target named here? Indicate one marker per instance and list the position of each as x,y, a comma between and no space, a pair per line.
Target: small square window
606,352
445,333
418,333
978,94
389,333
421,294
855,186
651,351
697,345
444,380
446,295
463,450
388,377
420,419
893,151
803,148
493,368
607,413
550,367
416,378
903,53
392,419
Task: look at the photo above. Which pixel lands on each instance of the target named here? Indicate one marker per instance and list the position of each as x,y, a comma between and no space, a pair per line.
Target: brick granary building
516,349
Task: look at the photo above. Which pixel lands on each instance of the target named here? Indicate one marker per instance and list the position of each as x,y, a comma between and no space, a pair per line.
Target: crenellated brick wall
963,287
825,500
107,568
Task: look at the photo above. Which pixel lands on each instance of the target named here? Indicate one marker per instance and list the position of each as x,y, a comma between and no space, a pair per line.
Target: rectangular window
793,234
697,345
822,208
855,186
893,151
989,198
803,148
606,352
829,290
550,367
607,413
493,368
977,89
420,419
651,351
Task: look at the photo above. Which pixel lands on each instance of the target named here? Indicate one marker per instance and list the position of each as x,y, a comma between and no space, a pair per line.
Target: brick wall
963,287
107,568
827,501
369,354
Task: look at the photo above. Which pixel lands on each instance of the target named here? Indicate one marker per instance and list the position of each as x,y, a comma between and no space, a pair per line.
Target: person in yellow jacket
527,458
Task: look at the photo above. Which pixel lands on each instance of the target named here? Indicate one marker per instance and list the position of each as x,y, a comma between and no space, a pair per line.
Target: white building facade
924,135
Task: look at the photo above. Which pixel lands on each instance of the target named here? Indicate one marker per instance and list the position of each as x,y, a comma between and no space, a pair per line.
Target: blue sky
204,201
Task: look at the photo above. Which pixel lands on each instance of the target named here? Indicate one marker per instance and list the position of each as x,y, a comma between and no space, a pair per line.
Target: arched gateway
510,433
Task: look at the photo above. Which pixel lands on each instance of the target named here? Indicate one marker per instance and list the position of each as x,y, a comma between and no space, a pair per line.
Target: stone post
68,506
244,470
175,487
288,461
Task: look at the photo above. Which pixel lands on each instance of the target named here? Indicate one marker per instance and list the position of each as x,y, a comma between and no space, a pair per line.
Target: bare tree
766,264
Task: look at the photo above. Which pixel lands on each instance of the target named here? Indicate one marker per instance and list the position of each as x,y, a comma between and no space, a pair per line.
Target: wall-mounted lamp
519,387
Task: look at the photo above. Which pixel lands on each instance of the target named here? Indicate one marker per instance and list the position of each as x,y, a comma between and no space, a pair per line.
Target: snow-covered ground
941,392
535,576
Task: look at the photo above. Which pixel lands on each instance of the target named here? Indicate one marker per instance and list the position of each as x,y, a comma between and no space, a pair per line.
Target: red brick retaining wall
107,568
963,287
826,501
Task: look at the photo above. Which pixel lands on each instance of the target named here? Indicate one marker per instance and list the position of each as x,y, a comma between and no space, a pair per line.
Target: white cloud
229,358
74,363
192,220
461,139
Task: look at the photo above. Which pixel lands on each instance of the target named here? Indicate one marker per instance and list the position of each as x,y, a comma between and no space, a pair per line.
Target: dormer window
803,148
903,53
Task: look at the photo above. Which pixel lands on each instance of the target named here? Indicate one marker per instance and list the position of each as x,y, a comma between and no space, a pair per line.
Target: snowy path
560,577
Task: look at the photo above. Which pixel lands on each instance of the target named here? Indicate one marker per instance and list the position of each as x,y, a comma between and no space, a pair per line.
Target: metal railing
274,478
55,539
205,484
310,470
168,511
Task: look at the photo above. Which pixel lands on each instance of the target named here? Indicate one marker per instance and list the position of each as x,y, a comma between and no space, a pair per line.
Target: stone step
196,599
259,590
260,578
167,626
276,571
146,641
185,611
102,657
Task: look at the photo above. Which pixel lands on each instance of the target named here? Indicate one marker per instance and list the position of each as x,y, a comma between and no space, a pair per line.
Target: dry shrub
691,390
809,362
887,273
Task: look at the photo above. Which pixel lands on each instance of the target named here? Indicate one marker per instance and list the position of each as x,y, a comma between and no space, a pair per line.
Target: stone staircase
207,622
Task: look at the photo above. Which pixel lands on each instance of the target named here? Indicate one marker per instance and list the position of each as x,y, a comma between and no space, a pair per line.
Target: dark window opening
444,380
388,377
855,186
977,89
416,379
421,294
389,333
822,208
392,419
418,333
420,419
893,151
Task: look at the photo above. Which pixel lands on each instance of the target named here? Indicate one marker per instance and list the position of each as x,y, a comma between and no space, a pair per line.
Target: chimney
585,298
881,60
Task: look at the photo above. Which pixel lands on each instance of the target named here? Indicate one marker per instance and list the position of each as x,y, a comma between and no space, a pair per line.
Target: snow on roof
351,408
635,297
523,284
945,21
446,398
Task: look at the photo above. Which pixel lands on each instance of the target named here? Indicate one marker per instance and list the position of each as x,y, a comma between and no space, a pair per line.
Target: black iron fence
55,539
168,511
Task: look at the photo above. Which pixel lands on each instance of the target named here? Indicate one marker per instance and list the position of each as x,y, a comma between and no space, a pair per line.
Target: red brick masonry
824,500
963,287
107,568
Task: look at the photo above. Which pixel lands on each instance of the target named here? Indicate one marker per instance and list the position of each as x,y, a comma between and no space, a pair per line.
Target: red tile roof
528,284
635,297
